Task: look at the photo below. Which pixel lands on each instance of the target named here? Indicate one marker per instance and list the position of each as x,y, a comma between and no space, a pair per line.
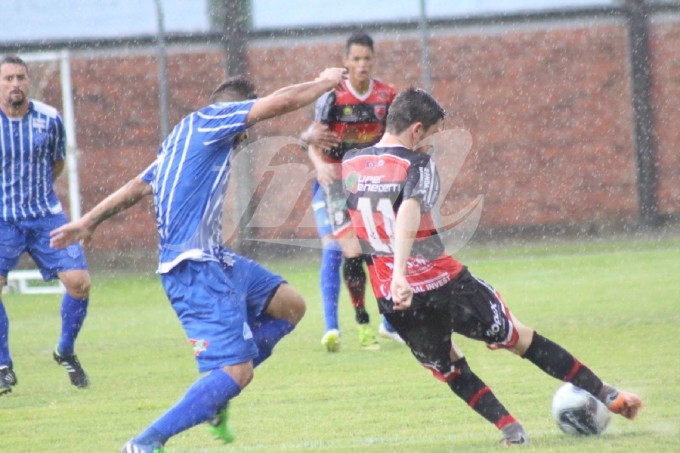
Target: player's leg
353,265
329,274
213,313
13,242
70,266
74,306
274,308
355,280
502,330
204,398
8,378
559,363
427,332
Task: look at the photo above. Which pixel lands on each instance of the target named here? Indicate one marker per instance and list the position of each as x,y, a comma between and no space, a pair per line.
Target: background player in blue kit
32,153
426,294
347,118
233,310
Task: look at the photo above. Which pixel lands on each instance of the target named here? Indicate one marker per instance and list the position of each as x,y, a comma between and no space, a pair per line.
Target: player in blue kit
32,152
233,310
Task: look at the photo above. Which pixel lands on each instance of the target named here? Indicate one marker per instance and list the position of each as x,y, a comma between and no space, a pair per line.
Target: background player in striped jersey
353,117
233,310
428,295
32,153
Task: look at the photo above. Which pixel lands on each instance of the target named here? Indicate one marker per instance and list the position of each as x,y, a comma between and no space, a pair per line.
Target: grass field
614,304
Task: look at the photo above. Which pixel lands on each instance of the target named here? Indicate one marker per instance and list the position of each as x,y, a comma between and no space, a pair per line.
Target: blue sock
5,358
329,277
203,399
73,313
267,331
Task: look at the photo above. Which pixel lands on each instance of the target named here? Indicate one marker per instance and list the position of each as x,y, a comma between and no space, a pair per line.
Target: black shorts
466,306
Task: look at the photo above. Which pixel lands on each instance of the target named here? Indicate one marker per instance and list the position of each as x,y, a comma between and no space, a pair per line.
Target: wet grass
614,304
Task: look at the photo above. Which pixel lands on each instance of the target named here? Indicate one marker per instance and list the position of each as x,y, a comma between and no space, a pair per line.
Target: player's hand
402,293
321,136
326,173
71,233
335,75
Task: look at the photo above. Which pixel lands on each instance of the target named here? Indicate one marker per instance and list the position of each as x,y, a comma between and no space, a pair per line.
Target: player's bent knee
241,373
77,283
287,304
525,337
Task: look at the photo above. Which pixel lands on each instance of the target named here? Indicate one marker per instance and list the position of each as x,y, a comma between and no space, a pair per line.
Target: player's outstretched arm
406,227
82,229
293,97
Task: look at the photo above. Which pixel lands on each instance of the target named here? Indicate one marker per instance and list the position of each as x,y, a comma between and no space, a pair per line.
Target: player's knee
77,284
287,304
242,373
353,266
525,335
296,307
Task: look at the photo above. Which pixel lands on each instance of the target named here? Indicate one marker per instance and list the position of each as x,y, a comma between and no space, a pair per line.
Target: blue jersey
189,180
28,147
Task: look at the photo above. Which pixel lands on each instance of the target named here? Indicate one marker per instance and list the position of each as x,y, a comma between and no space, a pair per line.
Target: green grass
614,304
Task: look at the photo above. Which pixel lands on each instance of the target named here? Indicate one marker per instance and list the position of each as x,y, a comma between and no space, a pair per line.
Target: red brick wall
665,43
548,107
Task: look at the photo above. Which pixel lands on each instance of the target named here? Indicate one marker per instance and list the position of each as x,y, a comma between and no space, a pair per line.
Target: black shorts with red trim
467,306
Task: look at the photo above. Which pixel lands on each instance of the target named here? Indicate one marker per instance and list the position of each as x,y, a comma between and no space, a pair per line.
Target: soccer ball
579,413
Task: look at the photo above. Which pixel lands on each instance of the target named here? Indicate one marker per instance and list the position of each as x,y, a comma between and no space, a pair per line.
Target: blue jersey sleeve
149,174
222,120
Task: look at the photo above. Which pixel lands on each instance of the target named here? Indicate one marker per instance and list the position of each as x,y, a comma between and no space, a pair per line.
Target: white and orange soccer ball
579,413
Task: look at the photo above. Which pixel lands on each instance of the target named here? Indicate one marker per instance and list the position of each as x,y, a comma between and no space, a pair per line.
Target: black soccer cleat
74,369
7,379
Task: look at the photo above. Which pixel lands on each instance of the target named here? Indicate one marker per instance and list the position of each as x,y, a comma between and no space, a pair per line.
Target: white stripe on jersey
205,116
220,128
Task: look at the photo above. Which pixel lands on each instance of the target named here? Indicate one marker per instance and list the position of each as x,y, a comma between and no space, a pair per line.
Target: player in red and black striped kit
428,295
352,116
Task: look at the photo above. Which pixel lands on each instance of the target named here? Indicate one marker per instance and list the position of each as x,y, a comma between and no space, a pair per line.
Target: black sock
362,316
355,279
471,389
556,361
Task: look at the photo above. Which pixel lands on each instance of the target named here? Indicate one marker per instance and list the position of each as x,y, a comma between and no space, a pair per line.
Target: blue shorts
33,236
214,302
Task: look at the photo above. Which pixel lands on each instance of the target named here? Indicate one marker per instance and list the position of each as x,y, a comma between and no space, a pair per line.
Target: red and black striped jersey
358,119
377,180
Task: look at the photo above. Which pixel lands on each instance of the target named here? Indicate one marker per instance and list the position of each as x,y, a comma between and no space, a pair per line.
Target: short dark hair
413,105
236,88
360,39
13,59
